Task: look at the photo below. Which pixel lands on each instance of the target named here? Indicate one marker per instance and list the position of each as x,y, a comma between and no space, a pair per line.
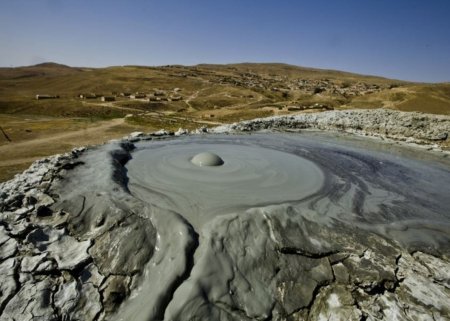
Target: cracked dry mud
110,233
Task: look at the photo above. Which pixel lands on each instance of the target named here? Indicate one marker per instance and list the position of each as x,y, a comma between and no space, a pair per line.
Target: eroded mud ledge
77,244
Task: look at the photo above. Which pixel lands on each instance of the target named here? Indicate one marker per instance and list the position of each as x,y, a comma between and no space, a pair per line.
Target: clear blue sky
403,39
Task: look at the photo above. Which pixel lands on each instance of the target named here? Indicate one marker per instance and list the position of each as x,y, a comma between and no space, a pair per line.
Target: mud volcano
309,226
375,190
207,159
179,176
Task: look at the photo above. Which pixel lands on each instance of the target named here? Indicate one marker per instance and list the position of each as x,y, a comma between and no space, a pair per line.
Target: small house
138,96
108,98
87,96
40,97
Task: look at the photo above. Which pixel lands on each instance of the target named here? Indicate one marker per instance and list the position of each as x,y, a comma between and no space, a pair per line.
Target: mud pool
280,225
403,197
266,225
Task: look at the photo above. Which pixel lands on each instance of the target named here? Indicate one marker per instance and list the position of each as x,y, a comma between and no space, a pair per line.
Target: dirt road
72,135
16,156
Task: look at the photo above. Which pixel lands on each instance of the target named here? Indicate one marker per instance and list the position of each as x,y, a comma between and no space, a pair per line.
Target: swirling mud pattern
396,196
261,226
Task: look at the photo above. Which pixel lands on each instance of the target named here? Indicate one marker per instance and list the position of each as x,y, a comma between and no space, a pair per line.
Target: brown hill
177,96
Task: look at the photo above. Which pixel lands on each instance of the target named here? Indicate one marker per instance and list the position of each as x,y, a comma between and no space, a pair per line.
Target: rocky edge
52,270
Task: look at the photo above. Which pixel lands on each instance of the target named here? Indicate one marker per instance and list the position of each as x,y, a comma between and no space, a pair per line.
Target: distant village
248,80
306,86
279,83
153,96
260,83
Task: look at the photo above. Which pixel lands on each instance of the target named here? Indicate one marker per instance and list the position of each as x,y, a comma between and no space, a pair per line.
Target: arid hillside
79,106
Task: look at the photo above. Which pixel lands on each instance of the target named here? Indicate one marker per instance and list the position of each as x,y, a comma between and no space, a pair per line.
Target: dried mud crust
410,127
66,255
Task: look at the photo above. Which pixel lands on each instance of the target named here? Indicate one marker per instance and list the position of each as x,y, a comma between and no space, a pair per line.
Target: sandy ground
16,156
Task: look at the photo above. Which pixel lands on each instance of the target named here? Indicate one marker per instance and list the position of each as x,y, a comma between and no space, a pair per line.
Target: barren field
171,97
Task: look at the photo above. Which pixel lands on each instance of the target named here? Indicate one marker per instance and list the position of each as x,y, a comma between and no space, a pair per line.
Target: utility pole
4,134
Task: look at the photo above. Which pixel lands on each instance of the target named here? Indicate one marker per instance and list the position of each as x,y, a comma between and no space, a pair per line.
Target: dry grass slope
203,95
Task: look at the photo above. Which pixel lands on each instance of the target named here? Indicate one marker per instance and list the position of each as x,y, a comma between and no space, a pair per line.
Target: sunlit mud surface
283,224
384,191
250,176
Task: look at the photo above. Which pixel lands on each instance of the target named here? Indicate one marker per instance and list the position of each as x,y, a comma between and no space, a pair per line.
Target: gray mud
405,199
307,226
251,175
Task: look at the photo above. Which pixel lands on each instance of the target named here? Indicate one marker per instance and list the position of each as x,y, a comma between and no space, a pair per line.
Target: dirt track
19,155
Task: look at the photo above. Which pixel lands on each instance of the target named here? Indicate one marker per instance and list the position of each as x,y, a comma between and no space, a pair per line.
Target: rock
22,212
30,263
90,274
438,268
3,235
341,273
368,273
126,248
89,305
67,251
77,151
89,215
298,279
382,307
201,130
440,136
8,249
19,228
388,307
25,277
8,284
181,132
417,287
32,303
66,298
334,303
15,201
161,132
37,198
136,134
115,290
406,126
46,267
78,301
